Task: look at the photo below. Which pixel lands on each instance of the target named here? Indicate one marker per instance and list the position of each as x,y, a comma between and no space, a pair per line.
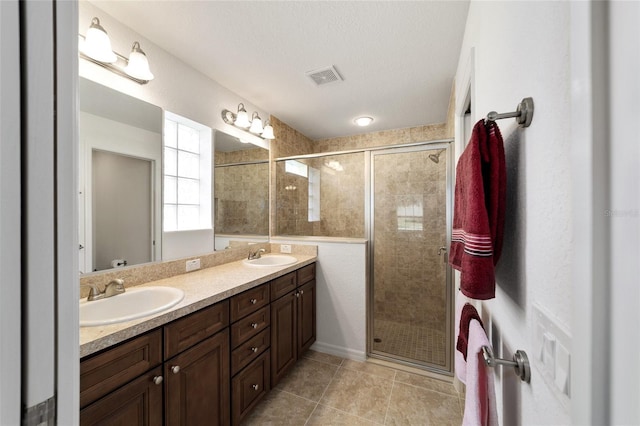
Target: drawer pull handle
254,325
254,301
158,380
175,369
255,387
254,349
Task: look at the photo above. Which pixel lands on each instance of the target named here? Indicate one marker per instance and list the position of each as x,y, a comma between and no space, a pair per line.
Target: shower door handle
443,250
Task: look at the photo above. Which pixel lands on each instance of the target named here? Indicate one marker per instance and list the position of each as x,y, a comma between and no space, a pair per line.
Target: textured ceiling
397,58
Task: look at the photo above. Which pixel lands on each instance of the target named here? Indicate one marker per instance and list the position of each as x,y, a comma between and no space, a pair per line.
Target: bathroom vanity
209,360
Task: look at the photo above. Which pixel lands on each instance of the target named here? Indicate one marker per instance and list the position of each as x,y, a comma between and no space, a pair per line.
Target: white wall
341,280
521,49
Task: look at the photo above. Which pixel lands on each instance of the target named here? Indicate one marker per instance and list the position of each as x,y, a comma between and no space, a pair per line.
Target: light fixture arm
114,68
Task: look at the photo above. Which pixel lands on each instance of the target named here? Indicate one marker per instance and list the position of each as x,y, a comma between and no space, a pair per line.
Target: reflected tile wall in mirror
341,197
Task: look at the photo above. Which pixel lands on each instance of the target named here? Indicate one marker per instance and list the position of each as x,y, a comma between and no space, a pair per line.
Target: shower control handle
443,250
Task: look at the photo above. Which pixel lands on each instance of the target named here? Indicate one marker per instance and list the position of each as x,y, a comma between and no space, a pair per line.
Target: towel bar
523,114
520,362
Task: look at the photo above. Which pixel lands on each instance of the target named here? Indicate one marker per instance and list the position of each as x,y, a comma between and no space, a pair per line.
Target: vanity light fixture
241,120
363,121
96,47
256,124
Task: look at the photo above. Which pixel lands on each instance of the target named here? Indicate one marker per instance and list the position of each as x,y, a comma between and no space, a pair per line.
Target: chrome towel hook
523,113
520,362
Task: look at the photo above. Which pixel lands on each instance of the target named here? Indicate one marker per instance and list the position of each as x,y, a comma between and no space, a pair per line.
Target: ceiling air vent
324,75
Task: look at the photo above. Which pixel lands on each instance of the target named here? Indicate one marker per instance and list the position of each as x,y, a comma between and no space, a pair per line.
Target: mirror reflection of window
410,215
187,174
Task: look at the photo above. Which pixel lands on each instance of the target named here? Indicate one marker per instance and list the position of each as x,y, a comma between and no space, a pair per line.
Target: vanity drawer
185,332
306,274
249,326
283,285
107,371
249,301
246,352
249,387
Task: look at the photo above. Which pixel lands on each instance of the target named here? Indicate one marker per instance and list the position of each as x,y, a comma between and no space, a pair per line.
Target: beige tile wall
409,275
242,199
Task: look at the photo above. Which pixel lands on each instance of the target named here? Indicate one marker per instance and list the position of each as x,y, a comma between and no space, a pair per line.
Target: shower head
436,157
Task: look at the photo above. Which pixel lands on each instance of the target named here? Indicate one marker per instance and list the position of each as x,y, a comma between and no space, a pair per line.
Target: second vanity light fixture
253,125
96,48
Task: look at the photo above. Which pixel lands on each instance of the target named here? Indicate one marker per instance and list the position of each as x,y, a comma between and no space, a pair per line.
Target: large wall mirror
241,189
120,186
120,157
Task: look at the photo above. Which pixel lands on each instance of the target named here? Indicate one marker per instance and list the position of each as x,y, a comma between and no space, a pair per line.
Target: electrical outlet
193,265
285,248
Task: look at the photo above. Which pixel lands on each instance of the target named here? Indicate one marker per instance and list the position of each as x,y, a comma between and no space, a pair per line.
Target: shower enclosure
399,199
410,280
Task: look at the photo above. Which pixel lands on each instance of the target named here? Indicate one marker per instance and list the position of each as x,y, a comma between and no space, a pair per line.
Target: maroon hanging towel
478,216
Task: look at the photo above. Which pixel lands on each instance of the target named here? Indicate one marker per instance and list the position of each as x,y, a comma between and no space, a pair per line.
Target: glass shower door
410,300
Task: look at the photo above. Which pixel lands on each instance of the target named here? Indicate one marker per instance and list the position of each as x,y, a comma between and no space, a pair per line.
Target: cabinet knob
158,380
255,387
301,291
254,325
254,301
297,294
254,349
175,369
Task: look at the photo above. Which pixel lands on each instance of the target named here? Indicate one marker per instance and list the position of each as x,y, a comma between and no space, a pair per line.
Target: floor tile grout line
429,389
393,384
323,392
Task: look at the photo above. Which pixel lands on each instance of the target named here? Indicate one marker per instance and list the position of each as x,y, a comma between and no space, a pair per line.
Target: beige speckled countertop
201,288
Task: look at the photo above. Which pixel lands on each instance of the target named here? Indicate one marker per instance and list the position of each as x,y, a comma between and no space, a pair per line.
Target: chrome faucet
113,288
256,254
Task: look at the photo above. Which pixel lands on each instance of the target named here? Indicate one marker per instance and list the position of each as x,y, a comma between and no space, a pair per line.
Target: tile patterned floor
419,343
327,390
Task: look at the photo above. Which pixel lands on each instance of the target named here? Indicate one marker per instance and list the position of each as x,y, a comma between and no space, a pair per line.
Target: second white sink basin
271,260
136,302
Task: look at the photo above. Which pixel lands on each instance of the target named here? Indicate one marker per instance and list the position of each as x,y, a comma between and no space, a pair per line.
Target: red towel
478,216
468,313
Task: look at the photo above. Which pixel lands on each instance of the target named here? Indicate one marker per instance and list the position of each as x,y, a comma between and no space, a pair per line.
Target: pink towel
479,211
480,398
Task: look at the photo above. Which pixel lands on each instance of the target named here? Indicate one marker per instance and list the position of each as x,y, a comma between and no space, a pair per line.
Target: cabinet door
283,336
250,386
197,384
306,316
138,403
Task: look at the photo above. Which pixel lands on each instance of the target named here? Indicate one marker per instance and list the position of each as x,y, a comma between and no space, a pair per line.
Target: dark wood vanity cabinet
211,367
293,319
250,344
196,368
124,385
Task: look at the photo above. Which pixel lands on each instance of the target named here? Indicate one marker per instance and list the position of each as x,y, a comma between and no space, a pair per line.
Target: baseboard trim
339,351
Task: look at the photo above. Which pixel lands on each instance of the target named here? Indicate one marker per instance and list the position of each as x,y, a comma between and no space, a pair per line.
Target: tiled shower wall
409,275
242,199
341,198
342,193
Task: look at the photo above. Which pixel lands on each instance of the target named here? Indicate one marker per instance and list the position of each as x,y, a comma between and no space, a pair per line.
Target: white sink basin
134,303
271,260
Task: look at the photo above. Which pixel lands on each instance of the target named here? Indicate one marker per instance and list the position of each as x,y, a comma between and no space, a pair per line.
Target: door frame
448,146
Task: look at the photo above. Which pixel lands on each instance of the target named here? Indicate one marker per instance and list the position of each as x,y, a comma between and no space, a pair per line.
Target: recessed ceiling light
363,121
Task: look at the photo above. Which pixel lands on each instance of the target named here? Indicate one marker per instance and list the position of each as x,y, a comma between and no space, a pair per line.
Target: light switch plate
552,343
